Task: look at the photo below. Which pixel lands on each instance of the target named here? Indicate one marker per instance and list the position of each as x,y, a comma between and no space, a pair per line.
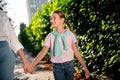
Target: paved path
42,71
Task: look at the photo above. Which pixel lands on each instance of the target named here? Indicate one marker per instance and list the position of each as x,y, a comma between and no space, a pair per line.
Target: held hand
28,67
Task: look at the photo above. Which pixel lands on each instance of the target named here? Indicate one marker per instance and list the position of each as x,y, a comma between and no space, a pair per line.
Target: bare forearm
22,55
39,57
80,59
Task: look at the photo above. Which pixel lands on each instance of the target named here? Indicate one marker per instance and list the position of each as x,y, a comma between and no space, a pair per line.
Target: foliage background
97,25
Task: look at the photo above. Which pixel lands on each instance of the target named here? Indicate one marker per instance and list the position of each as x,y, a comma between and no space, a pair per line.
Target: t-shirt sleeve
47,40
74,40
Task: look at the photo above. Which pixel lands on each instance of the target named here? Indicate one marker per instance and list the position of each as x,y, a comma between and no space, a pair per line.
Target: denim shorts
63,71
7,61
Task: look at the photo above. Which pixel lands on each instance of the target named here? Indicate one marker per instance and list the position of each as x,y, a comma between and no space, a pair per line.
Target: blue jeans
7,61
63,71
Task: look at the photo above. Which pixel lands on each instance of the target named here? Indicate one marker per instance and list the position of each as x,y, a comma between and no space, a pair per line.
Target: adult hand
28,67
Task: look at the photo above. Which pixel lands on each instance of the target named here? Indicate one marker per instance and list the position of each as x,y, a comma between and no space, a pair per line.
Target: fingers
31,69
87,75
28,71
25,71
28,68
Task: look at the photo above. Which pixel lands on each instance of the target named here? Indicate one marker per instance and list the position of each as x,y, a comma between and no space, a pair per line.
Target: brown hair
62,15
